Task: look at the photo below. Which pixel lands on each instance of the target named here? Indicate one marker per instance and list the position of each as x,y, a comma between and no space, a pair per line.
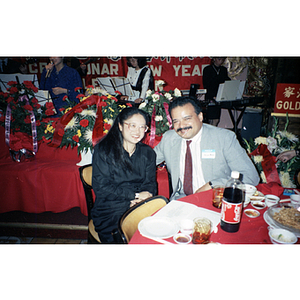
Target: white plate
154,227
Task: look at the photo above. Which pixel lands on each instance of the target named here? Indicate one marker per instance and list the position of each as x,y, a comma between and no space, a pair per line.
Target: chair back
85,173
128,223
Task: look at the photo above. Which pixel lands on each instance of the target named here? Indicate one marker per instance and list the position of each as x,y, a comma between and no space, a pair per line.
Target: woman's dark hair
112,143
142,61
181,101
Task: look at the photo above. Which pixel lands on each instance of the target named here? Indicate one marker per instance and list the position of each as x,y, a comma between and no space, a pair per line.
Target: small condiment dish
258,204
252,213
271,200
181,238
282,236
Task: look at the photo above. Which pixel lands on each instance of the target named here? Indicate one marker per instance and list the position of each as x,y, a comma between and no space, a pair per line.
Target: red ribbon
66,118
268,163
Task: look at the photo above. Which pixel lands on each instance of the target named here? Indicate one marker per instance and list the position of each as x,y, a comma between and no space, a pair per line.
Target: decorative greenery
155,104
277,142
20,110
79,131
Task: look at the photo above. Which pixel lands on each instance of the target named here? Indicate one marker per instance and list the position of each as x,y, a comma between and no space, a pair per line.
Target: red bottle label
231,212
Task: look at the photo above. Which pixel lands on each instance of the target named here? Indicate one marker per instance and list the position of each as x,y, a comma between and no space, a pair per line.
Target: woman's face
133,129
218,61
134,62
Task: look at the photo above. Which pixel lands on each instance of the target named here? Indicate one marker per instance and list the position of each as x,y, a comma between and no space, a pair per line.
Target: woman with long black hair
124,171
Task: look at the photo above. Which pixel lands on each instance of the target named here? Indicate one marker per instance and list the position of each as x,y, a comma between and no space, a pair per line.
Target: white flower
258,159
261,140
88,112
158,118
160,82
177,92
272,143
168,96
142,105
148,93
72,124
88,136
290,136
155,97
263,177
285,180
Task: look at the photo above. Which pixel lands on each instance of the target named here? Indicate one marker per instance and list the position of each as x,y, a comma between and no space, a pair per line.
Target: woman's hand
50,66
285,156
124,98
142,196
138,100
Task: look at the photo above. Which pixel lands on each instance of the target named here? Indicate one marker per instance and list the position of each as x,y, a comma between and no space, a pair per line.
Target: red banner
287,100
177,72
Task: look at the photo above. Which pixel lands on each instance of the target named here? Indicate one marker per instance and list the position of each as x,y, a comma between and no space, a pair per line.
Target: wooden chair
128,223
85,173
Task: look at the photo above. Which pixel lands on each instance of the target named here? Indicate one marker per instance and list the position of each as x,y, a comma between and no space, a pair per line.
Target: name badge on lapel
209,154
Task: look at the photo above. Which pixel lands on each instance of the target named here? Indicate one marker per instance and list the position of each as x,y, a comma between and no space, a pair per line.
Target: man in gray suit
215,151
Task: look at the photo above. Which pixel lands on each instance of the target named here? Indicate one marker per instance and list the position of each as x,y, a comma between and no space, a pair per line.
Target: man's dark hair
181,101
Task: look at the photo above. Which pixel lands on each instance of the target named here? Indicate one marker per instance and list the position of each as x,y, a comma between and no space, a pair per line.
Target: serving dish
269,217
282,236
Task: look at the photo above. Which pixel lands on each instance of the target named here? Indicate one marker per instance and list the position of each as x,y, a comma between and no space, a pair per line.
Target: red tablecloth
252,230
50,182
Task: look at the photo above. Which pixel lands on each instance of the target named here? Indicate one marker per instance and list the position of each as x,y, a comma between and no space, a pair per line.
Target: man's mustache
184,128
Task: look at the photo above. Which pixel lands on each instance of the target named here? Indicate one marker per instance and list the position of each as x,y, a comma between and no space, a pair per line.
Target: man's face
185,121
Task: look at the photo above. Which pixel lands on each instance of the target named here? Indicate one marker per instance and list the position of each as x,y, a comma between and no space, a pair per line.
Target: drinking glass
217,196
202,229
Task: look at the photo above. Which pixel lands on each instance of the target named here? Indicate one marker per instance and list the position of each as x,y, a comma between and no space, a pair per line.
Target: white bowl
295,199
282,236
258,204
186,226
181,238
271,200
250,189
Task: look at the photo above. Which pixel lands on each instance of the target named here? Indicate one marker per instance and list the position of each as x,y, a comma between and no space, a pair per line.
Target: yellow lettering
279,104
105,70
156,71
114,68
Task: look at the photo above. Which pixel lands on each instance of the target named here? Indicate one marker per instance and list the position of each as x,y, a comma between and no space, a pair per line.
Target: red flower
9,99
38,123
34,100
30,86
2,119
49,112
89,86
129,104
28,107
78,89
104,97
37,106
27,120
103,103
113,98
65,98
49,105
13,90
107,126
61,132
12,83
84,123
76,138
119,93
79,96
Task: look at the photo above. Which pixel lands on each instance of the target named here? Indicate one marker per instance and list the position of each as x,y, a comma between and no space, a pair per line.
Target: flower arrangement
79,129
157,105
276,143
21,102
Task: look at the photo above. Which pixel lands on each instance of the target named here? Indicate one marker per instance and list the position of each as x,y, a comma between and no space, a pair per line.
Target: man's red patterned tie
188,171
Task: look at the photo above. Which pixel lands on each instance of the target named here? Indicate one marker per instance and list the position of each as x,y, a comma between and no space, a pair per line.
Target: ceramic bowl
295,199
282,236
271,200
181,238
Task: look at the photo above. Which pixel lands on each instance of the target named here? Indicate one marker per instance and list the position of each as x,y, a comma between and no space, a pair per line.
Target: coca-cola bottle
232,203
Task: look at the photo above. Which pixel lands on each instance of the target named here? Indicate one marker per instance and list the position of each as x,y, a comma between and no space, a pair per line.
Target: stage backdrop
177,72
